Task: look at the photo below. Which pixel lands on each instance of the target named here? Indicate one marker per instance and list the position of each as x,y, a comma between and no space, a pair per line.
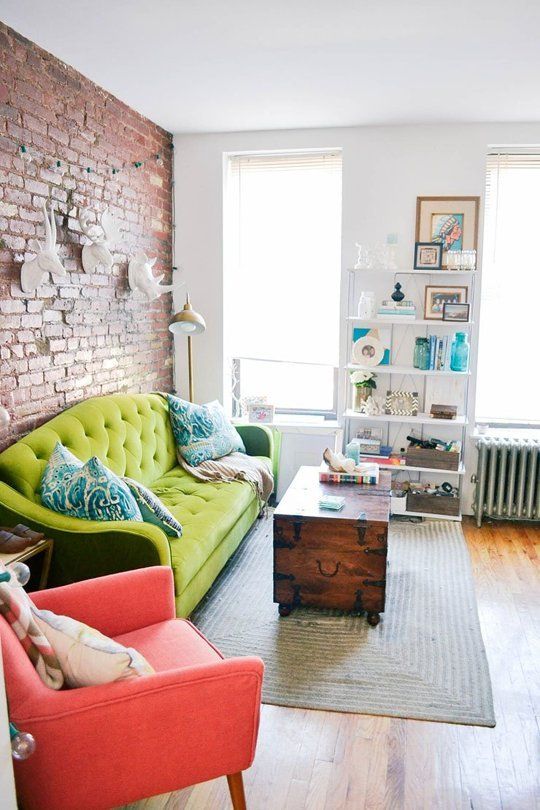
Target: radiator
507,479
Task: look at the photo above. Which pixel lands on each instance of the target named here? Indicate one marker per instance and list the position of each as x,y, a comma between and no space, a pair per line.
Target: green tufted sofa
131,434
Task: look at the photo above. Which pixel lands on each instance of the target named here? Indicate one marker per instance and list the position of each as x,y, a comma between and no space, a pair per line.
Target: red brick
81,335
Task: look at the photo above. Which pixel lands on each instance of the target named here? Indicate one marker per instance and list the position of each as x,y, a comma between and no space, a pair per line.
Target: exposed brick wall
82,335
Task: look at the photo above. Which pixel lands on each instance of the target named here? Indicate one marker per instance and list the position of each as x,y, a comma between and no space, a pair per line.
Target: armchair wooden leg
236,788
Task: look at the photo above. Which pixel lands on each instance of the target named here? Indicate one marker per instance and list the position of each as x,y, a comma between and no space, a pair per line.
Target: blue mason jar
421,353
459,358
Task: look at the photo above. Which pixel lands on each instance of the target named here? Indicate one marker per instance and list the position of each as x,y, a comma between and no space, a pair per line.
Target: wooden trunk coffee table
332,559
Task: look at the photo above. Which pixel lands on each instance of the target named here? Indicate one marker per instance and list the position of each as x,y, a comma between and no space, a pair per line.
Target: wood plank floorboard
313,760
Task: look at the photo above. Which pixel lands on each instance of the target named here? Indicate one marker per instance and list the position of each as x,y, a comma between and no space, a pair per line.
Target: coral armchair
99,747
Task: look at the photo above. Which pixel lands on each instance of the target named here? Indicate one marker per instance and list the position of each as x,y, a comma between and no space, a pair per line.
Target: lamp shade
187,321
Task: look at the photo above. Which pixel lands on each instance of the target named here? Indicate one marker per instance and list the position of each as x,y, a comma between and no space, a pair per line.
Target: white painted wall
384,170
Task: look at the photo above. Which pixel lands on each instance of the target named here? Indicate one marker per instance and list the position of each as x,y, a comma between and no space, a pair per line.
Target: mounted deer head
97,256
34,271
141,278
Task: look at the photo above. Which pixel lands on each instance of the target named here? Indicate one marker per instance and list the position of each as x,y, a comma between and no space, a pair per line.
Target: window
507,384
282,222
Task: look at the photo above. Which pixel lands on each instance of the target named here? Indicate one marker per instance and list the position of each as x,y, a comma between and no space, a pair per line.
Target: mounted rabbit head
103,234
141,277
34,272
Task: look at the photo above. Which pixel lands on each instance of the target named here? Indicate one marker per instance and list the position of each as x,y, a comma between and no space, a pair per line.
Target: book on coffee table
365,474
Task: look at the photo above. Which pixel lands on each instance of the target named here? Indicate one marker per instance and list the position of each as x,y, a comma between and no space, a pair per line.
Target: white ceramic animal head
102,235
141,277
35,271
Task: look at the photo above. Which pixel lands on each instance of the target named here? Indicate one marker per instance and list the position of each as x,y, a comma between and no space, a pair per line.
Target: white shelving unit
392,371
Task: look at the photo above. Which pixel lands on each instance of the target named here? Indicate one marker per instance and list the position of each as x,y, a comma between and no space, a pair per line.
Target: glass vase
361,394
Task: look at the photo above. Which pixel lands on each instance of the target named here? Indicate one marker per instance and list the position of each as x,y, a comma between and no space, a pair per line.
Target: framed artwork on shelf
437,297
427,256
456,312
451,222
401,403
371,347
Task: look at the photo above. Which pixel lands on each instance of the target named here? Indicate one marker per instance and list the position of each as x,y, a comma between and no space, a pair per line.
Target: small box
443,411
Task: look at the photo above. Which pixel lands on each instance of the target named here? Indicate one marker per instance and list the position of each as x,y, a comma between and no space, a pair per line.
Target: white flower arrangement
363,379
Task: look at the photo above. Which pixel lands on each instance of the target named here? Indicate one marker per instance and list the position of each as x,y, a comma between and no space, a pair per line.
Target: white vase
365,305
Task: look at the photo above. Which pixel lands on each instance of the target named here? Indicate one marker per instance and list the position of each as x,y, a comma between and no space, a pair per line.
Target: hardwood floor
312,760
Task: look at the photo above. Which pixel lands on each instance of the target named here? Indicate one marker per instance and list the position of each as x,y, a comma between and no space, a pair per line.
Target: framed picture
401,403
371,347
451,222
427,256
456,312
437,297
261,413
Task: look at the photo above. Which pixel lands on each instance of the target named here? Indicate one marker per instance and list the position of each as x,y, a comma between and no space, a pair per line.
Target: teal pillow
202,432
89,491
153,510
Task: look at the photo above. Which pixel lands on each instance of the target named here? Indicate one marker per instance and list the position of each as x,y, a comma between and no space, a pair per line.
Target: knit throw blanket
235,467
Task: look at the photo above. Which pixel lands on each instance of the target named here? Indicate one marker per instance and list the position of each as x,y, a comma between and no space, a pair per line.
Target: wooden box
435,459
331,559
433,504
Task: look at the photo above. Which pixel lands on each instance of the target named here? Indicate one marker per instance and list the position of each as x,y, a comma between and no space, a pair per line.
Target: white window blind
508,381
282,274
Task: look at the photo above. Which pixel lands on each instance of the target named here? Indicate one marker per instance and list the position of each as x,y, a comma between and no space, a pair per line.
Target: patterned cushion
153,510
65,651
202,432
88,490
16,608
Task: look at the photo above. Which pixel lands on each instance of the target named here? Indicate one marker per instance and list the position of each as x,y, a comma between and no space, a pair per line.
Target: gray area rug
425,660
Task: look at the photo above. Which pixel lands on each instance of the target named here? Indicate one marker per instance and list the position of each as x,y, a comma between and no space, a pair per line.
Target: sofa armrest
115,604
205,717
87,548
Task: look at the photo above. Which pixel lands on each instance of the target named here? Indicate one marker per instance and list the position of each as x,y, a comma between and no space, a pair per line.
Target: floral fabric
202,432
88,490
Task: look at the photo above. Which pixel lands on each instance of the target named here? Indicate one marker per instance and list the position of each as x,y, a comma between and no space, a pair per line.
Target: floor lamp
188,322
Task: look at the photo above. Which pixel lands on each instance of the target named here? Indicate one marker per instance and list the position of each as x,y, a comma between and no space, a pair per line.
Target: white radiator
507,479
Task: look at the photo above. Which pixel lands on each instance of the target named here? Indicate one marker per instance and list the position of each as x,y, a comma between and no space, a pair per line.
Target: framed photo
371,347
263,414
401,403
427,256
456,312
451,222
437,297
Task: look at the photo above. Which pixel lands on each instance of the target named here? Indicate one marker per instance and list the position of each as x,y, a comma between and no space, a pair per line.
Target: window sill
301,424
493,432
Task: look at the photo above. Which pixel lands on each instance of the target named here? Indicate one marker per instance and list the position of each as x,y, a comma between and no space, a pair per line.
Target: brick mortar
82,335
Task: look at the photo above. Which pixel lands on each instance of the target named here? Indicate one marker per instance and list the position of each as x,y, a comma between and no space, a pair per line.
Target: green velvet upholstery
131,434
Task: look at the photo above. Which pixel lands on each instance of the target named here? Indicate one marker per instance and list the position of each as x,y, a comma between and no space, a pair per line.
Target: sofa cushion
89,490
202,432
172,644
207,512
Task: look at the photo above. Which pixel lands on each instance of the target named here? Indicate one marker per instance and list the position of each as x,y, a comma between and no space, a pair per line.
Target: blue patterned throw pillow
88,490
202,432
153,510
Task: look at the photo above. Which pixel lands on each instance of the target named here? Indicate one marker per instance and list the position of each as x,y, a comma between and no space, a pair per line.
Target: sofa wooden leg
236,787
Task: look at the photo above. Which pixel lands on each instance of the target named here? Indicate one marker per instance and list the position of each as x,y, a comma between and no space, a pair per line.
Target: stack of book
365,474
440,349
396,309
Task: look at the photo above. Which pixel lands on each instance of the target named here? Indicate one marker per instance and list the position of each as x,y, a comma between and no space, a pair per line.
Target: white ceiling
210,65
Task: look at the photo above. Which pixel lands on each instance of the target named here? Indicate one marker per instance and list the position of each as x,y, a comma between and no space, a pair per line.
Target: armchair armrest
87,548
115,604
163,732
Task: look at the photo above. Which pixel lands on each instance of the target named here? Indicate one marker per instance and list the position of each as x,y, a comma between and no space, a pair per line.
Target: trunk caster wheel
373,619
284,610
